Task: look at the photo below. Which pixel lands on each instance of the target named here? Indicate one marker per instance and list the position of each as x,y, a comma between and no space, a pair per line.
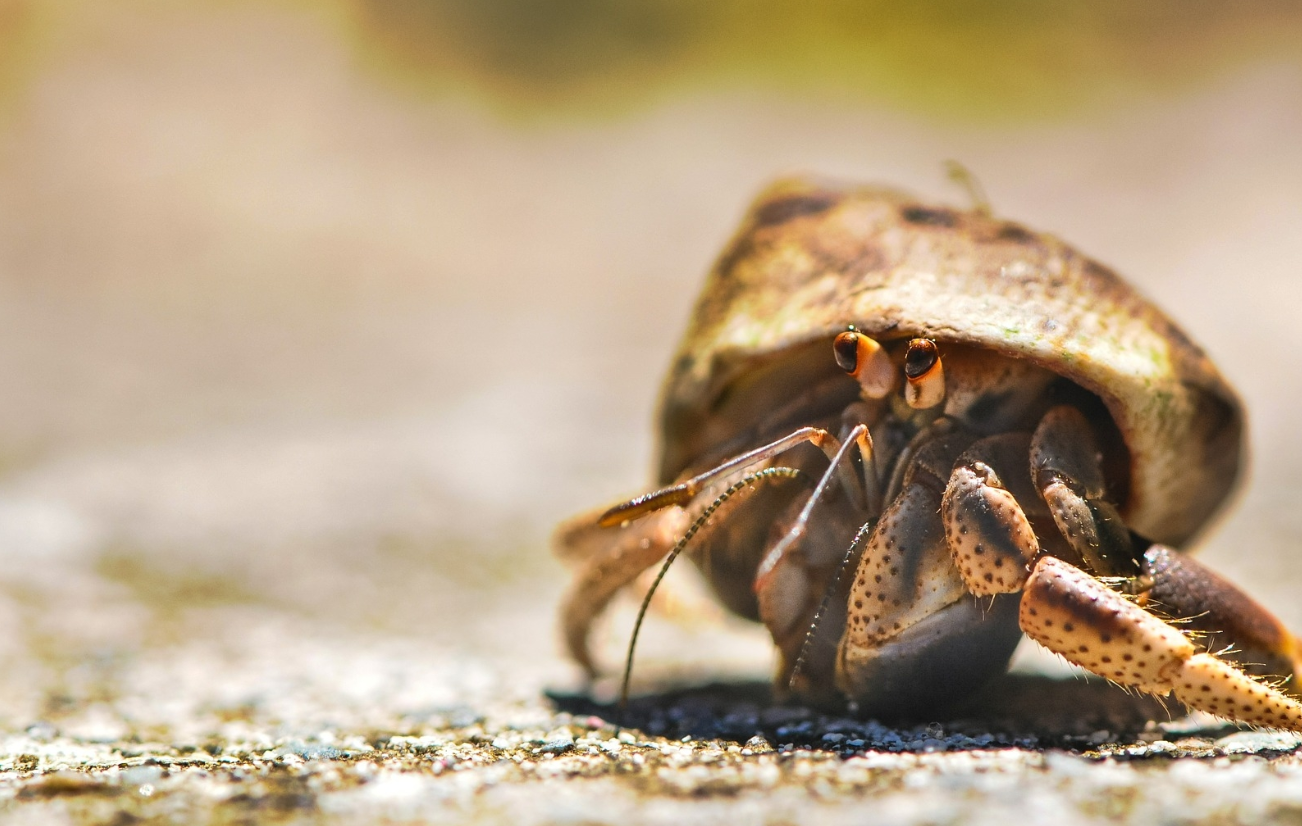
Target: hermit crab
901,436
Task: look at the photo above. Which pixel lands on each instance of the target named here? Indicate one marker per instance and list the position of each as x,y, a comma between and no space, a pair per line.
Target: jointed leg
614,558
858,436
1066,468
985,526
684,492
1073,614
1222,617
617,545
786,581
619,560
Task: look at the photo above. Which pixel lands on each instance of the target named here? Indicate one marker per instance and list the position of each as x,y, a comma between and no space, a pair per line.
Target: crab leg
781,583
615,564
608,560
1076,616
989,536
1073,614
858,436
1068,474
1179,586
683,492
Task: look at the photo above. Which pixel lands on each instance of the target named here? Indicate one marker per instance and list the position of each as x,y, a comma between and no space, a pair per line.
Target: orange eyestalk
926,377
865,360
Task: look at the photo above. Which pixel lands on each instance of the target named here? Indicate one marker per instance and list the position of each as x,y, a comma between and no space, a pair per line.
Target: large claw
1073,614
991,539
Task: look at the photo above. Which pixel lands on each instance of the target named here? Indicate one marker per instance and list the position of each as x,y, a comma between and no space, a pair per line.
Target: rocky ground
333,732
298,370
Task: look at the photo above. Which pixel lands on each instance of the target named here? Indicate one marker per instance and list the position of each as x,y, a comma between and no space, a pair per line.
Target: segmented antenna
749,479
827,599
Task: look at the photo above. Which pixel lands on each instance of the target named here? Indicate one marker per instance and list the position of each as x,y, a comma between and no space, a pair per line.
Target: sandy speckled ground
299,366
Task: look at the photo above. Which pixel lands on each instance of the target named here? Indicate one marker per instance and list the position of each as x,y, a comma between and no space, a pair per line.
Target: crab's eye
920,357
926,377
865,360
846,351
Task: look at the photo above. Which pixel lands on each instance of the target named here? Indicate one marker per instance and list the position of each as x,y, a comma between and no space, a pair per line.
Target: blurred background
315,317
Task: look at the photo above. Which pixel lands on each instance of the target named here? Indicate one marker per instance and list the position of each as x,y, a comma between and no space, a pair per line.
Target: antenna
745,481
827,599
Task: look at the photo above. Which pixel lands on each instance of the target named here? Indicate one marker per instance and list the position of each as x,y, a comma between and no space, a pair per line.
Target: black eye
846,351
921,356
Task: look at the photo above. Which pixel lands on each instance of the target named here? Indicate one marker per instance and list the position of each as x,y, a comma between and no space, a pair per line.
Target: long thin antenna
778,472
827,600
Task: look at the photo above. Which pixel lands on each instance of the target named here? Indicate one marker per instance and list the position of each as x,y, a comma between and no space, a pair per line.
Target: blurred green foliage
994,60
1015,58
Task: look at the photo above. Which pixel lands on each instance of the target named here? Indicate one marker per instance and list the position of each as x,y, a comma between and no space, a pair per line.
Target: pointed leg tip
1208,684
642,505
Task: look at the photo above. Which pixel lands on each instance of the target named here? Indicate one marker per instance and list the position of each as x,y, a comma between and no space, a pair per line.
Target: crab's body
1073,433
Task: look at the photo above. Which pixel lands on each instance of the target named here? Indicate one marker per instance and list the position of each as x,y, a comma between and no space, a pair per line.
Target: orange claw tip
642,505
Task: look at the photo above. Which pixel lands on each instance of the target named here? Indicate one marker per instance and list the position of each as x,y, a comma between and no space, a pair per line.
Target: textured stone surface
299,751
297,372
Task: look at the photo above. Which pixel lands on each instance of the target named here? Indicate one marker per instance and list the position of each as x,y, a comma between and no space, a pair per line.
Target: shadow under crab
1015,710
